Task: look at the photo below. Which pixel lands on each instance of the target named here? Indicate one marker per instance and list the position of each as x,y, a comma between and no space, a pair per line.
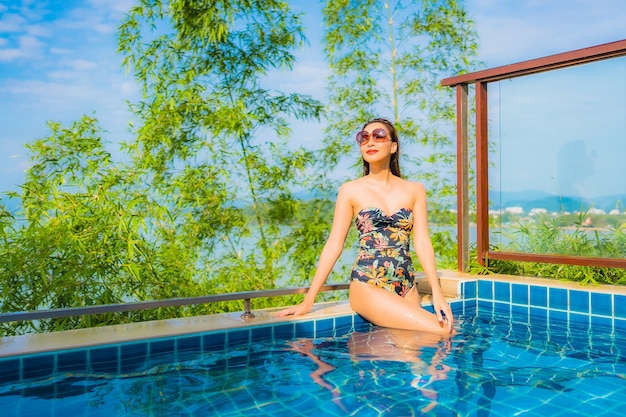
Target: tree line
205,200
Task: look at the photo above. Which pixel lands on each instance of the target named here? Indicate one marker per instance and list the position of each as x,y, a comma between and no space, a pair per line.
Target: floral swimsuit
384,259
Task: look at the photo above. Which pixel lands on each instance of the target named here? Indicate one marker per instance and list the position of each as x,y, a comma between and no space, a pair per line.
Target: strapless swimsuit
384,258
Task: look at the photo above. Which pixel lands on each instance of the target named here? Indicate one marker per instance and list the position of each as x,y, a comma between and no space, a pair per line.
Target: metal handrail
246,296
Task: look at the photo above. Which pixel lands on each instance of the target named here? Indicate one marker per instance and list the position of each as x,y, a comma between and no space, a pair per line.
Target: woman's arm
426,254
332,249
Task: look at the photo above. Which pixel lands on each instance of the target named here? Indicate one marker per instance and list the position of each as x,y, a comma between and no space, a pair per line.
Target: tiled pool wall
129,357
539,302
546,303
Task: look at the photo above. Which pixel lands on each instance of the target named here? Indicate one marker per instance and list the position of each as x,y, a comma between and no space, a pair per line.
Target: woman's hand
443,310
296,310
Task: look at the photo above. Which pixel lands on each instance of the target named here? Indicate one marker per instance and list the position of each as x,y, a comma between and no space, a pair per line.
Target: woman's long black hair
394,163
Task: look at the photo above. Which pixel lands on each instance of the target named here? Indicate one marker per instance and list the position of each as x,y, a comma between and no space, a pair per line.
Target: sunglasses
379,136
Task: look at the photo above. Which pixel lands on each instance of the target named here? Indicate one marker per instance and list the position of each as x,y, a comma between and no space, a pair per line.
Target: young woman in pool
386,209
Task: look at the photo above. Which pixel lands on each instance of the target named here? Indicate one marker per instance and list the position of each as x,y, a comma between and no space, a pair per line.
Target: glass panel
558,149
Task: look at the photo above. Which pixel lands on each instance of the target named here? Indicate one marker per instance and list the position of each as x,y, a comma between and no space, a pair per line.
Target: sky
58,61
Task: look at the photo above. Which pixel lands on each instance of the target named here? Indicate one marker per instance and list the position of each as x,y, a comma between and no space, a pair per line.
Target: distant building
537,211
495,212
596,211
514,210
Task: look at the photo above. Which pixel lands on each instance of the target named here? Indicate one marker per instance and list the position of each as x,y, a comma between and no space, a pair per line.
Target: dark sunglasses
379,135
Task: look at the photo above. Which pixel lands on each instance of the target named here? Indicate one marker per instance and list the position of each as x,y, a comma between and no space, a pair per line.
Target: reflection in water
423,353
382,344
305,347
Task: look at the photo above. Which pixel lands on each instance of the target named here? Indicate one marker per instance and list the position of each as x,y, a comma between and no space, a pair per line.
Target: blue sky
58,60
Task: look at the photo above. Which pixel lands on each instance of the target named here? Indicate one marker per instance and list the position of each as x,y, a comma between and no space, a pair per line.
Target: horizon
46,75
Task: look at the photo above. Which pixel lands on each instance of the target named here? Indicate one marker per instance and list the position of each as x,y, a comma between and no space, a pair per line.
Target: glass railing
550,146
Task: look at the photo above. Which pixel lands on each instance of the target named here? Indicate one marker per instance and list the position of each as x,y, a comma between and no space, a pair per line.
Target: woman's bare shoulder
413,186
351,186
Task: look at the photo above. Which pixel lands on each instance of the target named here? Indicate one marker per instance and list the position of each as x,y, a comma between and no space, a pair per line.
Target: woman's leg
387,309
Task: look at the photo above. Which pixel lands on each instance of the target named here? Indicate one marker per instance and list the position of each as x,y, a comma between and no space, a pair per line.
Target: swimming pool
521,349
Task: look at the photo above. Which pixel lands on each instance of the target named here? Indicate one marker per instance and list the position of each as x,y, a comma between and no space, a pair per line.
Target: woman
386,208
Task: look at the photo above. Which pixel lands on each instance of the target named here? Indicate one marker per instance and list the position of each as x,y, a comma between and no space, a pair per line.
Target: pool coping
12,346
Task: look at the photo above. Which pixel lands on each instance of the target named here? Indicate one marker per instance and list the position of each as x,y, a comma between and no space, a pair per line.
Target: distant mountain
531,199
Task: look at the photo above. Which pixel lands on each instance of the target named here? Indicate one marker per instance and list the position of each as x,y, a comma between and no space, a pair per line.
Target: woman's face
376,143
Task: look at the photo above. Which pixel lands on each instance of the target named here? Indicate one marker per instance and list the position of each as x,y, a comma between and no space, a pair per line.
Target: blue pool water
506,359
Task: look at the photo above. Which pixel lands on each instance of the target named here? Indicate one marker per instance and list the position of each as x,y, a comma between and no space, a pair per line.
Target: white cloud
10,54
37,30
28,47
83,64
60,51
42,91
11,22
29,43
129,89
61,75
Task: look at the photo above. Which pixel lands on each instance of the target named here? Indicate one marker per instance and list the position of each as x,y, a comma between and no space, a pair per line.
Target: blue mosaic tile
324,327
284,331
184,343
538,296
238,337
558,298
160,346
601,304
457,307
580,345
502,291
485,305
620,325
521,310
72,360
601,324
557,332
468,289
261,333
538,315
10,369
502,307
519,294
469,305
579,318
557,316
520,331
485,289
470,311
134,350
619,305
359,321
35,366
579,301
305,328
343,322
214,341
133,356
104,359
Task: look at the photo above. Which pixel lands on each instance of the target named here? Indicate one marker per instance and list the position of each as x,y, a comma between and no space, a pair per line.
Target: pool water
497,364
